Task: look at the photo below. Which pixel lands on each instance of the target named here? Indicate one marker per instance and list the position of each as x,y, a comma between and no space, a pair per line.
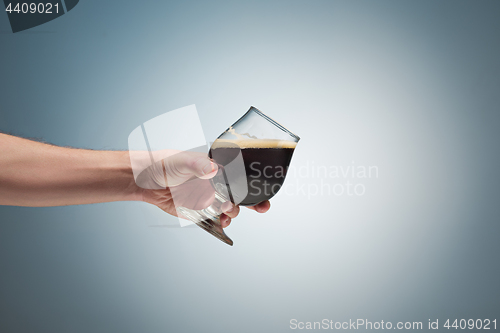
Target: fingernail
230,209
208,168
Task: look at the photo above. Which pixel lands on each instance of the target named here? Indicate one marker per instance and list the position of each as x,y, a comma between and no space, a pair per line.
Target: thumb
203,168
197,164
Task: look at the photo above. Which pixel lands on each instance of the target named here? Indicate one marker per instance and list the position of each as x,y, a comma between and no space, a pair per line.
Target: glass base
215,228
209,219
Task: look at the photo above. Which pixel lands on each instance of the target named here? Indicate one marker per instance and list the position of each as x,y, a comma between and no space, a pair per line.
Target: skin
34,174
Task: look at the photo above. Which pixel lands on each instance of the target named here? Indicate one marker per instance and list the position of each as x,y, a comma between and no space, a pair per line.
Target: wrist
130,191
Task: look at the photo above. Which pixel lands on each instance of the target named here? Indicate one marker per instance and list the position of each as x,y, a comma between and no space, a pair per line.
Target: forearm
36,174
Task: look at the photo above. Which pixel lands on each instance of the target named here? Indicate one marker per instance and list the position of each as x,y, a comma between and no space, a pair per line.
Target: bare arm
37,174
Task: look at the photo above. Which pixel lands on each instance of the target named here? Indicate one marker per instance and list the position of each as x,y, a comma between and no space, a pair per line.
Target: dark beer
265,162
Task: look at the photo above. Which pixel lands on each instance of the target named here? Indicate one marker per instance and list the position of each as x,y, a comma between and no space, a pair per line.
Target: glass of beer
253,156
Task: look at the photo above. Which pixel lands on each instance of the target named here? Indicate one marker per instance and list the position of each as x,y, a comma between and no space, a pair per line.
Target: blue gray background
412,87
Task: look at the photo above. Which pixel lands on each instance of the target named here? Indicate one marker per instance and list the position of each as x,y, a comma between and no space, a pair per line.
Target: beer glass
253,156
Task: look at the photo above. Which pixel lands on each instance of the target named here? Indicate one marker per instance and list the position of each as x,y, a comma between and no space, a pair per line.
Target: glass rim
272,121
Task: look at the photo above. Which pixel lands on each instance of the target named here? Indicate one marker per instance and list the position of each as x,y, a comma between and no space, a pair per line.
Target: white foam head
254,143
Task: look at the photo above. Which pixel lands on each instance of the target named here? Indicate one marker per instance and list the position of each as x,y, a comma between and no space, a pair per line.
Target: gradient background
412,87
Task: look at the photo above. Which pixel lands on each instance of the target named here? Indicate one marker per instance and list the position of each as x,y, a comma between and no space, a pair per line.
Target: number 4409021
484,324
33,8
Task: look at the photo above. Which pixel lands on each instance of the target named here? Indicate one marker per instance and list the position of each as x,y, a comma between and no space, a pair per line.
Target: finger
225,220
232,211
195,194
202,167
261,207
188,163
210,172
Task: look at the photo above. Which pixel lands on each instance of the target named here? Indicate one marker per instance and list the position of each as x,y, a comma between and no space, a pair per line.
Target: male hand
183,179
